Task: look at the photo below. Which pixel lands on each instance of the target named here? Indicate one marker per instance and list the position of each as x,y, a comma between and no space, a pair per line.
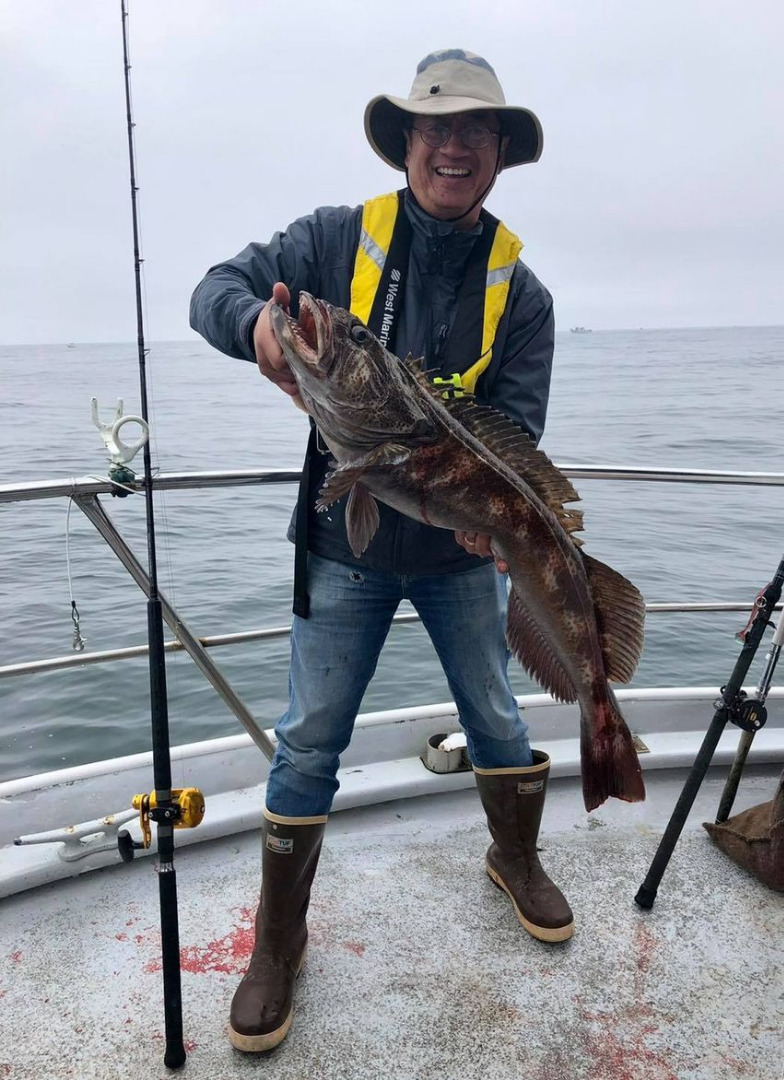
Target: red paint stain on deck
228,955
323,934
616,1048
742,1068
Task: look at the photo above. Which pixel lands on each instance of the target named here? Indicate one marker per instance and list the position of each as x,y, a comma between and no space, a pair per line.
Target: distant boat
579,330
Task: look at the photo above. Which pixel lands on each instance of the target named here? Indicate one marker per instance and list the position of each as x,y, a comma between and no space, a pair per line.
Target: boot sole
541,933
257,1044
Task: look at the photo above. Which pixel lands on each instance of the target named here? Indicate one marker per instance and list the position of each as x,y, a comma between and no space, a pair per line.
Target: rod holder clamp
120,453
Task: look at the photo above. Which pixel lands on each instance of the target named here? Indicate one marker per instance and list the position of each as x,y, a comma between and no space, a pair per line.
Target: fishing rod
160,807
733,705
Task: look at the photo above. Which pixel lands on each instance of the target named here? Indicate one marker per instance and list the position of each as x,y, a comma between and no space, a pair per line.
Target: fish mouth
308,338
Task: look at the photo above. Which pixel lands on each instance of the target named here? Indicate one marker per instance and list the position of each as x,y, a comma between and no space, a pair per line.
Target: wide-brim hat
450,81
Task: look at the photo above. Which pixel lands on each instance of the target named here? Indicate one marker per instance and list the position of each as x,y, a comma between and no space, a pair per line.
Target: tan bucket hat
450,81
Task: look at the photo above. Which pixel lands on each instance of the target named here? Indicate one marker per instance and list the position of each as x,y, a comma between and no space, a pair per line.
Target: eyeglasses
473,136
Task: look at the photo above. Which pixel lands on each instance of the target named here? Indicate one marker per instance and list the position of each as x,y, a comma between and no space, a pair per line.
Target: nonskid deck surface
417,966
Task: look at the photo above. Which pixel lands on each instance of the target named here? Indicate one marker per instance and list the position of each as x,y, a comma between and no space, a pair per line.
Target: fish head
350,384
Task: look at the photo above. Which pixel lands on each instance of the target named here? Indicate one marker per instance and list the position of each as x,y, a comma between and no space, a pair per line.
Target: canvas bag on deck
754,839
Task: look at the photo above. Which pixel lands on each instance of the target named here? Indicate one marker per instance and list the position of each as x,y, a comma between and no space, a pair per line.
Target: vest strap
301,604
382,265
464,344
378,223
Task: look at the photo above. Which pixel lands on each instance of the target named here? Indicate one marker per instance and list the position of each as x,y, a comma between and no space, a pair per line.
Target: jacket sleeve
226,303
521,384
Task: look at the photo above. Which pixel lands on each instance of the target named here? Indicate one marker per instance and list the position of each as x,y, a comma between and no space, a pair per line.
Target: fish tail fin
610,765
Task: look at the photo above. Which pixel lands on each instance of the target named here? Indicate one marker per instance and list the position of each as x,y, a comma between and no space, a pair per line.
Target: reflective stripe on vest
378,223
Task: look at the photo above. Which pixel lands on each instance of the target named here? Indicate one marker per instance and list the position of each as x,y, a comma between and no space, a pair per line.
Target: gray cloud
657,201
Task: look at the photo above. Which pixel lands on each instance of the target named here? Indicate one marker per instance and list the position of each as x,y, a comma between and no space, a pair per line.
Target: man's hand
479,544
269,355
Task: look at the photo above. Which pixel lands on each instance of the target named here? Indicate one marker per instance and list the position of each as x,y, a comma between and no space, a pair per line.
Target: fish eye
360,334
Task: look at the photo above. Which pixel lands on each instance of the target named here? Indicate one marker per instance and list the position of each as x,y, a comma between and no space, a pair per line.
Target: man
435,275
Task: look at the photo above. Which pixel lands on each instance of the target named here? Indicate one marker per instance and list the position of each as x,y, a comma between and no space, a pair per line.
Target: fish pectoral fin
338,483
620,615
341,480
362,515
531,648
362,518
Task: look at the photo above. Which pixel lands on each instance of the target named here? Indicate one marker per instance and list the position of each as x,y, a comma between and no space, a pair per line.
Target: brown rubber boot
262,1008
513,800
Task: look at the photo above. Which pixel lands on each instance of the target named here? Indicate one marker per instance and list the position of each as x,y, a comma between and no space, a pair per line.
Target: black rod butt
645,897
175,1055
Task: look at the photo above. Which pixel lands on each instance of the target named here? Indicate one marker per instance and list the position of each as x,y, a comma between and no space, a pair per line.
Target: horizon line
591,329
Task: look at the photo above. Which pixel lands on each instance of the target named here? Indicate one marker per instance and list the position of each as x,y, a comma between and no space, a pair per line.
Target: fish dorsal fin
531,648
620,615
414,364
515,447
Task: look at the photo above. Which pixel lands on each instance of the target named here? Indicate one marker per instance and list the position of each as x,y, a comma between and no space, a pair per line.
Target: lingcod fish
573,622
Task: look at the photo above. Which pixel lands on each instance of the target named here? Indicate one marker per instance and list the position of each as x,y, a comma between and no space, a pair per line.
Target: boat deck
417,967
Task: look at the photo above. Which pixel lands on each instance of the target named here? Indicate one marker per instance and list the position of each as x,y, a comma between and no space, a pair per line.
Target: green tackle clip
454,387
122,477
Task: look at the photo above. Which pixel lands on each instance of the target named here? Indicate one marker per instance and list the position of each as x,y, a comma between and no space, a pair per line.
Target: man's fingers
481,544
281,295
269,354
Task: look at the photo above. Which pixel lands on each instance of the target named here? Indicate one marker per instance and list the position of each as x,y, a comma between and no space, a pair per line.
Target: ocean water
696,398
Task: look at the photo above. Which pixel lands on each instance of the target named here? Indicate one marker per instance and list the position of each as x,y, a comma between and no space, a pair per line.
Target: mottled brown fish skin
393,438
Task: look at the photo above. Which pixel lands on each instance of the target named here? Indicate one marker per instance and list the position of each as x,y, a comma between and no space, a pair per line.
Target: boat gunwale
208,747
68,487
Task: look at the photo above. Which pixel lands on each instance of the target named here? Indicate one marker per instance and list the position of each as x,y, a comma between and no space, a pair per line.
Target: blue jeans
334,655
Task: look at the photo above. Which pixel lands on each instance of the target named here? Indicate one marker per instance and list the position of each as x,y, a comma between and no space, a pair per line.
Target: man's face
447,179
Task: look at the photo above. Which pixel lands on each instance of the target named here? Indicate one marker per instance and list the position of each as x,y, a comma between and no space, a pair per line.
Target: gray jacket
316,254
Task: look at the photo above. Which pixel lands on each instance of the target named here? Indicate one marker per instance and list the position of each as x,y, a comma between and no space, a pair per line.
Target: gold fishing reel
186,812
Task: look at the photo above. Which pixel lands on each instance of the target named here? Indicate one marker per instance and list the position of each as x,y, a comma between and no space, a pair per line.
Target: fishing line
78,642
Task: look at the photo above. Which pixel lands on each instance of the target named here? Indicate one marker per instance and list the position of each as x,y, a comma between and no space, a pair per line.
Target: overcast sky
657,201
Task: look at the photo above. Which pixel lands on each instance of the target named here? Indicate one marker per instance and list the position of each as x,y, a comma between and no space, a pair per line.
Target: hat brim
386,119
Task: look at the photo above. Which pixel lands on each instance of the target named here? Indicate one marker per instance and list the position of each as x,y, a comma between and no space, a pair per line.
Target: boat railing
84,492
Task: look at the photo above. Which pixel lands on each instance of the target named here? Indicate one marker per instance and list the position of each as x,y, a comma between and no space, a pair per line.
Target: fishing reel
186,812
749,714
